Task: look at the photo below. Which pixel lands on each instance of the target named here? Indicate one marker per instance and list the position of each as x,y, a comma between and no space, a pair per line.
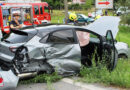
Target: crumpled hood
101,25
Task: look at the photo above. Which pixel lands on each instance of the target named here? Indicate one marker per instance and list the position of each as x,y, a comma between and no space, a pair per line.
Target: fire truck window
36,10
6,17
46,9
41,10
27,14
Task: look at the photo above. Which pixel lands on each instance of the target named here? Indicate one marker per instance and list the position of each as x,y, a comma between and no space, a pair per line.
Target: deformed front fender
8,80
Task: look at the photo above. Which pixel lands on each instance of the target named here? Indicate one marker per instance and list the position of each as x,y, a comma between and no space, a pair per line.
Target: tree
88,4
125,18
56,4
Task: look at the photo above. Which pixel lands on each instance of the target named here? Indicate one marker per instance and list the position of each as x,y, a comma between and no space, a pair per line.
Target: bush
125,19
75,7
119,77
88,4
42,78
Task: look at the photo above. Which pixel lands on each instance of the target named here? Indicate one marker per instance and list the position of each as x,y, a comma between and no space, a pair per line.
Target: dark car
84,19
81,20
64,49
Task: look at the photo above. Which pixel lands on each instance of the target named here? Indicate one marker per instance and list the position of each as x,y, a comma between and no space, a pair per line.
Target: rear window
17,38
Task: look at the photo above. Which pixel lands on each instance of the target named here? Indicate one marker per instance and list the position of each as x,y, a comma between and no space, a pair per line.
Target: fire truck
30,13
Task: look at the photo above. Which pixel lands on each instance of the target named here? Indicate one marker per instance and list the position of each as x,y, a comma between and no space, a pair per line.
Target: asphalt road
64,84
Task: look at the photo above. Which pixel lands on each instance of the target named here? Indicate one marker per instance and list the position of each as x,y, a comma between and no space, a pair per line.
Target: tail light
1,82
13,49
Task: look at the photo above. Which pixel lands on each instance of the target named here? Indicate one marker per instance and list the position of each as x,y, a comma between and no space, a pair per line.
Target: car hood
101,25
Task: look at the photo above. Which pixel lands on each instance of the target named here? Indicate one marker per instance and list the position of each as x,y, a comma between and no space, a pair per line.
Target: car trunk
9,45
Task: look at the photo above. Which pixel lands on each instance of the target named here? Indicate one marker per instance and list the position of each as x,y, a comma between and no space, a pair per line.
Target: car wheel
118,14
122,56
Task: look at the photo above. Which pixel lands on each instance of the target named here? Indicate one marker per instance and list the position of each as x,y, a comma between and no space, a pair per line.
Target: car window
79,16
16,38
85,38
65,36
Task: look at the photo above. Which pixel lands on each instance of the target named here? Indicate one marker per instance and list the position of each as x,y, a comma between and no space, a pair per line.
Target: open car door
110,51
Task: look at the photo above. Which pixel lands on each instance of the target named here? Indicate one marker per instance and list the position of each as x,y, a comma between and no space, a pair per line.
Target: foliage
55,4
119,77
123,34
88,4
59,4
42,78
125,19
75,7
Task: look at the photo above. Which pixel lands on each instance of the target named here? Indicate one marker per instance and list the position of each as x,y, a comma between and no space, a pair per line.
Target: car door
111,51
62,51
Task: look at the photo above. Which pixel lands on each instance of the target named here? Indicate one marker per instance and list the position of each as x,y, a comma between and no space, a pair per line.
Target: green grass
42,78
58,15
119,77
124,34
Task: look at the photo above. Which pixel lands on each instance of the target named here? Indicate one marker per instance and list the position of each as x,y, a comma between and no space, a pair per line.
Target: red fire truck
31,13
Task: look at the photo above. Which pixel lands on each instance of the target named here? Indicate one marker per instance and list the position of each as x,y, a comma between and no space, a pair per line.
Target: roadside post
66,10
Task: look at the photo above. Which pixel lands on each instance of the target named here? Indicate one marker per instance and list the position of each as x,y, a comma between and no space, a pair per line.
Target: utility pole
66,10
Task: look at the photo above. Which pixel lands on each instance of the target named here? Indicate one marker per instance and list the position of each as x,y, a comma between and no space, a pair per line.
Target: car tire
118,14
122,56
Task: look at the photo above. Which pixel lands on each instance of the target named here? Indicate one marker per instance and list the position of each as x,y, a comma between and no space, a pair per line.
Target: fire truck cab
30,13
41,13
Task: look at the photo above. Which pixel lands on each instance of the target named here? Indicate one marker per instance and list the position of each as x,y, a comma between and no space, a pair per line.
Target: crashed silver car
61,48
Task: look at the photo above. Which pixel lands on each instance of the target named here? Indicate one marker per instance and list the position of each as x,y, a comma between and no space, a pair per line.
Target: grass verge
124,34
42,78
119,77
